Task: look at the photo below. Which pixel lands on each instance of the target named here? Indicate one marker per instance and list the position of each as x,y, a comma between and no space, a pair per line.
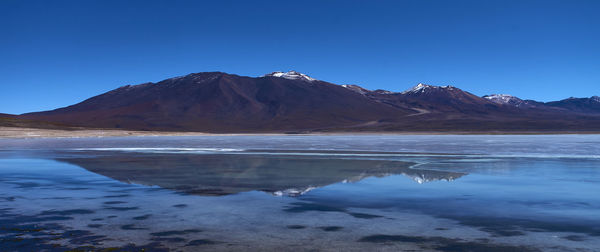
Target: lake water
274,193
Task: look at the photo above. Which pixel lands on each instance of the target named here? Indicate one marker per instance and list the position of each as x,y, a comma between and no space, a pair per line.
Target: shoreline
17,132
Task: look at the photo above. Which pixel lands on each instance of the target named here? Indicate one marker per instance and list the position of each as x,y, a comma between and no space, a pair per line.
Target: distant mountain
512,101
295,102
581,105
571,105
438,99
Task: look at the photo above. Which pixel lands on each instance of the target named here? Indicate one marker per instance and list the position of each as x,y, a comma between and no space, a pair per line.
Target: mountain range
295,103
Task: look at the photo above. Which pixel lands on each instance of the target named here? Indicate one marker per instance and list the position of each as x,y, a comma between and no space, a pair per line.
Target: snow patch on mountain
357,89
381,91
508,100
291,75
502,98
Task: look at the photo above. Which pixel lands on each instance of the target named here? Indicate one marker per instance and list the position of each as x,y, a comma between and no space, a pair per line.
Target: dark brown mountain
220,102
294,102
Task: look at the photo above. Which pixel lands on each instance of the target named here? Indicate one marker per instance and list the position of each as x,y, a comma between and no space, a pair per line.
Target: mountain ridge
295,102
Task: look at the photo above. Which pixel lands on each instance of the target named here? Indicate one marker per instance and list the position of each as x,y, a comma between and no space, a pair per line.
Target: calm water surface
338,193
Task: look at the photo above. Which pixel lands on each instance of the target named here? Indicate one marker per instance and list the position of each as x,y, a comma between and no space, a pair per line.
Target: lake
300,193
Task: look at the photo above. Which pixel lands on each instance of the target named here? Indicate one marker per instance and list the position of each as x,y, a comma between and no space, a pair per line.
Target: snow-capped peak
508,100
421,88
292,75
596,98
501,98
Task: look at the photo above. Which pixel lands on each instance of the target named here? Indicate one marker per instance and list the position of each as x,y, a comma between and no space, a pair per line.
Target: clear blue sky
56,53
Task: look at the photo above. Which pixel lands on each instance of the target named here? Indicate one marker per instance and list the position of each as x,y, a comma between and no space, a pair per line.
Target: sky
57,53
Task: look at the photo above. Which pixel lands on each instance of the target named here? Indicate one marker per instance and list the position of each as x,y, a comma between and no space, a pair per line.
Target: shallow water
438,193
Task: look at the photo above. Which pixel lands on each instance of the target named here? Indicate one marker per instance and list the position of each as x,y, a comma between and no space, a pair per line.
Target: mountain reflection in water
223,174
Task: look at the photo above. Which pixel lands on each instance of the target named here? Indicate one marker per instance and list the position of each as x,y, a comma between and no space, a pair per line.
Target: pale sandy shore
17,132
13,132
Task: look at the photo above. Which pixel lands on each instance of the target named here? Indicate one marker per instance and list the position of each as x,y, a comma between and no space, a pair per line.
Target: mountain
512,101
448,100
294,102
581,105
571,105
448,108
220,102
